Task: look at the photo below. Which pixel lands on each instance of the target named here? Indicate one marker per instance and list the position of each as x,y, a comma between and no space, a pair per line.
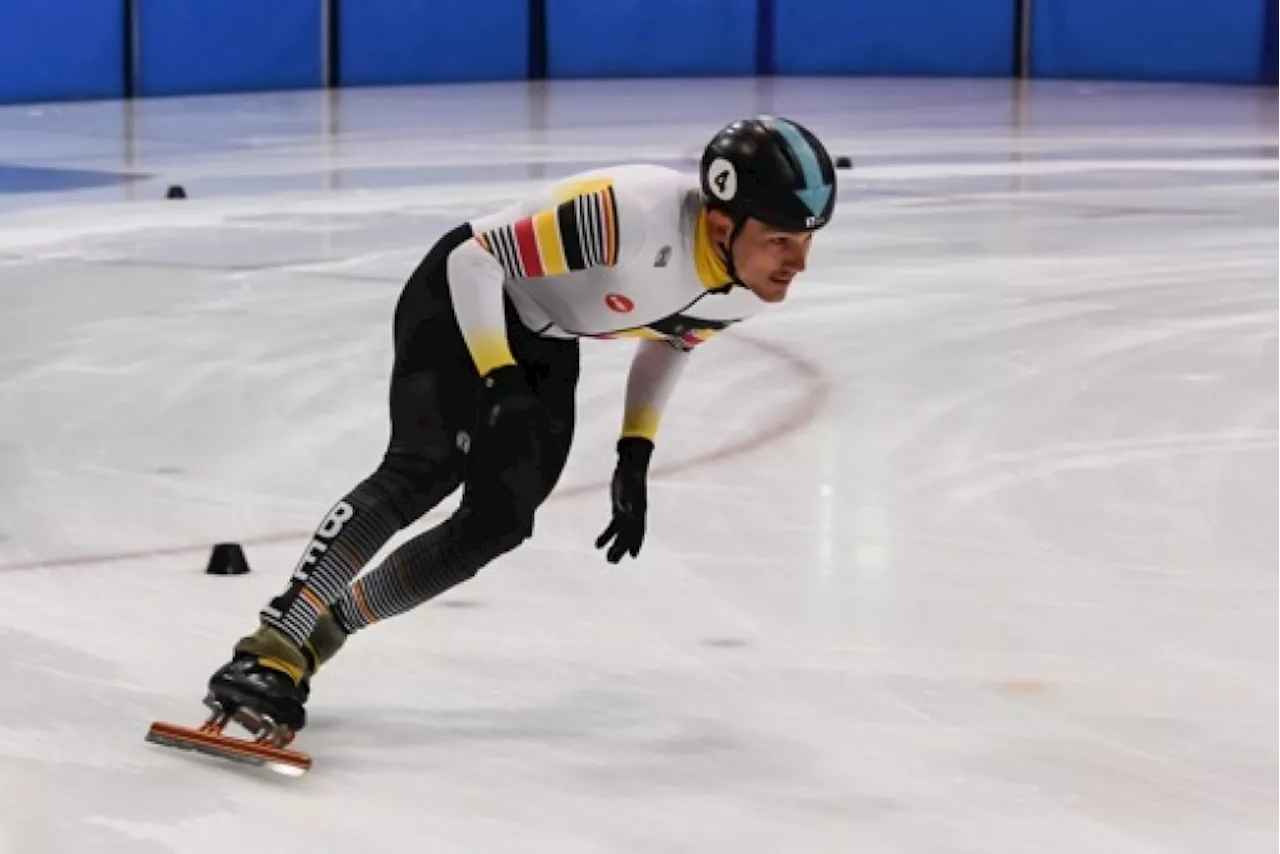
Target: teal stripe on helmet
816,193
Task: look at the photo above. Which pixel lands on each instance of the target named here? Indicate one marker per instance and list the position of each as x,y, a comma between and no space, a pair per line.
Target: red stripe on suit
528,245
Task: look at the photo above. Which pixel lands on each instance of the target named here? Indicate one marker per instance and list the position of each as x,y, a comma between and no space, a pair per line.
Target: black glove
507,402
630,499
502,463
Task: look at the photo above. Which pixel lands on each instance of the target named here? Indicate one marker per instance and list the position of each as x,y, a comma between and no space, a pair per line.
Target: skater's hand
630,499
503,462
508,401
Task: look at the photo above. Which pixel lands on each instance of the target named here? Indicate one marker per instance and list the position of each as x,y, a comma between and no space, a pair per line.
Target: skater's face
766,259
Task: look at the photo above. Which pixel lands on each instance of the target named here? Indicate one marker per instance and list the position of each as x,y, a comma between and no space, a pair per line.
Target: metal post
130,46
538,59
1022,38
330,55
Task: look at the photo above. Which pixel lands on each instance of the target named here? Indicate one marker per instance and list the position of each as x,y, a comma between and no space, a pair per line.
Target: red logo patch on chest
619,303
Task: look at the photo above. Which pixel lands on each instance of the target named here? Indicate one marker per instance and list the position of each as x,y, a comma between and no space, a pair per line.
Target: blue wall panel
961,38
74,49
426,41
69,49
650,38
1269,53
1191,40
195,46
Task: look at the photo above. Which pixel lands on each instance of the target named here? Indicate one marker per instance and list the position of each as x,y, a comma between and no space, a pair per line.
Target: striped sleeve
475,285
579,233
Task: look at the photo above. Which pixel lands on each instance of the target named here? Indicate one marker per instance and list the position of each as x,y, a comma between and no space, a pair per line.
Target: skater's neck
708,256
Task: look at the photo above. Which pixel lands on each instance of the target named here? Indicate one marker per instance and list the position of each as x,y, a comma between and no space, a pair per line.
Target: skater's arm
578,233
475,284
655,371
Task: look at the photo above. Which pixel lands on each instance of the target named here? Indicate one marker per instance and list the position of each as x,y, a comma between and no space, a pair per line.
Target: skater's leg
404,487
476,534
432,401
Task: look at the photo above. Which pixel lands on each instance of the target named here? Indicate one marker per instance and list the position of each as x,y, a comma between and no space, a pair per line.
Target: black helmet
770,169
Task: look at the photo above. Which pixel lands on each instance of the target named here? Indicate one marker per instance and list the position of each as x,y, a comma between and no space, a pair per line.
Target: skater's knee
491,534
460,547
414,482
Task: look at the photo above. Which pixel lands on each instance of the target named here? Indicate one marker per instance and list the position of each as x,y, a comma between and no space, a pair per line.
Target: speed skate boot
265,686
264,689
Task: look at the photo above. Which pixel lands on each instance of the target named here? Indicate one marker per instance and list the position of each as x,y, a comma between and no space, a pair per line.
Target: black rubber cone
227,559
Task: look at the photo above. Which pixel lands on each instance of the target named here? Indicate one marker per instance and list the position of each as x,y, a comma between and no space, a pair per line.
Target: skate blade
212,742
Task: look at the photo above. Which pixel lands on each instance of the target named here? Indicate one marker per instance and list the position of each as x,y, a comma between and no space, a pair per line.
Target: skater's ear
720,226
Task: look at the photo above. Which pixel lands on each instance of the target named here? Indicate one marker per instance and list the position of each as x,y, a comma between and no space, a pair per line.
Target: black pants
436,397
436,392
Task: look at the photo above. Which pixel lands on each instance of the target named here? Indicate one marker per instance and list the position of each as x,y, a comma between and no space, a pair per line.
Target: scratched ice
969,547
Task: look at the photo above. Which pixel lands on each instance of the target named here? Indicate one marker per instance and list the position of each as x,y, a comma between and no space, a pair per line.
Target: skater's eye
784,239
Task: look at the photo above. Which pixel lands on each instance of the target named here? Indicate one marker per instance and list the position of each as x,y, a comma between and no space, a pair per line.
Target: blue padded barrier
1218,41
199,46
1270,64
427,41
651,38
63,50
957,38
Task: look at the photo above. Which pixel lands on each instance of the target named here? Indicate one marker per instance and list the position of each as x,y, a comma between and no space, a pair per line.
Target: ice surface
971,546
